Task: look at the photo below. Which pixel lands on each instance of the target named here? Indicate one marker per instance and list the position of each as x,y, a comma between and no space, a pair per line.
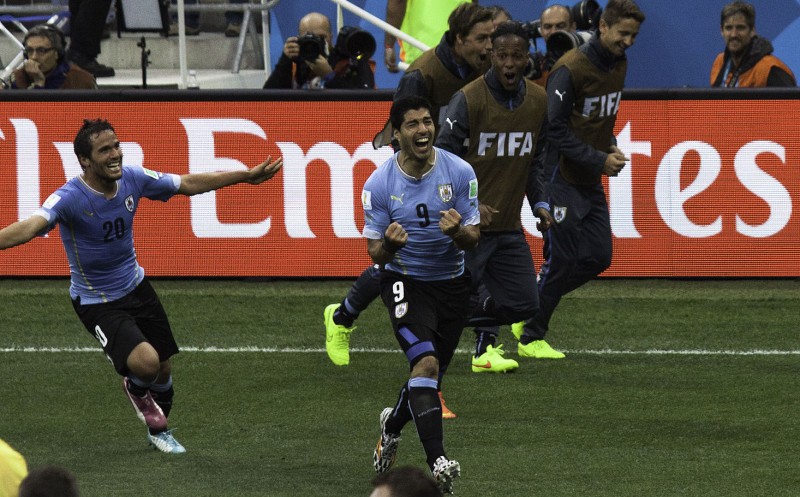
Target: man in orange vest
747,61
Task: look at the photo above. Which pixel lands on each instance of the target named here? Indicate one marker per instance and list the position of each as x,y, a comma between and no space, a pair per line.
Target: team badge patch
366,200
473,188
446,192
51,201
559,213
400,310
129,203
150,173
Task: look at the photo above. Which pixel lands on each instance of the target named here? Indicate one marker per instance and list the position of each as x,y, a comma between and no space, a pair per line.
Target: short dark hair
82,145
49,481
464,18
400,107
617,10
54,35
408,481
744,8
510,28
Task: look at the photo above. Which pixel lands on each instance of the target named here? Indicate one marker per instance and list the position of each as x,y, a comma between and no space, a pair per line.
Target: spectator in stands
13,470
422,20
553,18
325,66
87,20
49,481
46,66
233,18
747,61
405,481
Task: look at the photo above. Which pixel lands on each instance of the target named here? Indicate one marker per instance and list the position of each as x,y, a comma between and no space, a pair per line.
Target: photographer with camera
554,19
311,61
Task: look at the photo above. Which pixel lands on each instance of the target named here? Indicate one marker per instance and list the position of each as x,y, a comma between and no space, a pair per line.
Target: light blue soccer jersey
391,195
97,233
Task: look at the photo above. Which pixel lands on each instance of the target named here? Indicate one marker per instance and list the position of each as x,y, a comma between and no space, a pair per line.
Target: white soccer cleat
386,451
444,472
165,442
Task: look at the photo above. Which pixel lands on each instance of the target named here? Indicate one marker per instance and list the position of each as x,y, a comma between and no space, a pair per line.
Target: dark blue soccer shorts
123,324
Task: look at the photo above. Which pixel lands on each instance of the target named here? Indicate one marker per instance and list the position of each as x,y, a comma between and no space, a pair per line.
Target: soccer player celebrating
583,94
421,213
109,291
497,123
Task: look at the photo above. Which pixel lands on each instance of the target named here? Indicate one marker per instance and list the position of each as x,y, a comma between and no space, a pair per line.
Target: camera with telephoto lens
311,47
532,29
354,43
585,13
561,42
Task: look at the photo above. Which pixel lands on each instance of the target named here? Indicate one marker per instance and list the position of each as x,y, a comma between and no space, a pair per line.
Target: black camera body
561,42
585,13
532,29
311,47
354,43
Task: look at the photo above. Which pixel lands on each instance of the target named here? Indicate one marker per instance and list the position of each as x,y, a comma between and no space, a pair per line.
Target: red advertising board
709,190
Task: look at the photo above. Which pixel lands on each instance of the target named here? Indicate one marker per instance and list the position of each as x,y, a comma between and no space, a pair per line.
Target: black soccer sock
401,414
426,408
344,317
482,340
137,386
163,393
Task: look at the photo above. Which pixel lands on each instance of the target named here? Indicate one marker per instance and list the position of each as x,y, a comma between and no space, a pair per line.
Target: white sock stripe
314,350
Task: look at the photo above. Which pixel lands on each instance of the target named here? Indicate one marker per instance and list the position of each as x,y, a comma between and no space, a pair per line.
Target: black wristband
389,247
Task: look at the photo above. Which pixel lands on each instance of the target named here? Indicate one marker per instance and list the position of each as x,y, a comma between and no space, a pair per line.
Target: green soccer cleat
517,329
337,338
492,361
539,349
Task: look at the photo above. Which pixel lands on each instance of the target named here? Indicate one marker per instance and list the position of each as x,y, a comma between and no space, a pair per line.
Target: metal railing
376,21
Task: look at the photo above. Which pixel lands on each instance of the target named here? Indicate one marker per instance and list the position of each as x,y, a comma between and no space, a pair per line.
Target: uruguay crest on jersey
559,213
446,192
129,203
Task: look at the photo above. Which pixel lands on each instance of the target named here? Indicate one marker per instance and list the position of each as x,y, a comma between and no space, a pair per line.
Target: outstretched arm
21,231
192,184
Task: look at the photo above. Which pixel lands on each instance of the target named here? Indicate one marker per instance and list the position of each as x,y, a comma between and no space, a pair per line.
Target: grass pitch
669,388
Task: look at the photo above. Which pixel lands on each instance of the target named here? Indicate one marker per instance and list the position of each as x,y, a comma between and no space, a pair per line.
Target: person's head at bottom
49,481
405,481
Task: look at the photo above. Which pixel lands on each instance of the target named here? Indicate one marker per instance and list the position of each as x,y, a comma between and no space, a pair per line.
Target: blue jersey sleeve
155,185
374,198
56,208
467,198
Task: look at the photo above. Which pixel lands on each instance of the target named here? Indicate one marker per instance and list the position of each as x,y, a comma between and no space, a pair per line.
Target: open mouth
509,77
115,166
423,142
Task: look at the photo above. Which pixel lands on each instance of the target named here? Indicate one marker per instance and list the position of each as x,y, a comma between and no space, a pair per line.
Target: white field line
309,350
